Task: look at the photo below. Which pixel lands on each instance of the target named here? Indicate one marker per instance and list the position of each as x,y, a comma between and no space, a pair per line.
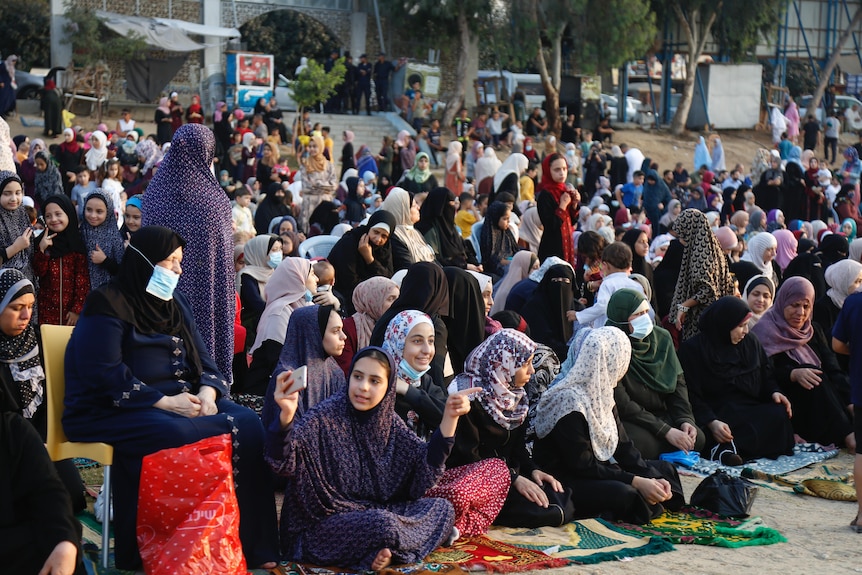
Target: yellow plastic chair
54,341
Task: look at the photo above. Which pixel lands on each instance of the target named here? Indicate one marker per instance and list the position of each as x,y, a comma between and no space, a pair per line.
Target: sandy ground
819,539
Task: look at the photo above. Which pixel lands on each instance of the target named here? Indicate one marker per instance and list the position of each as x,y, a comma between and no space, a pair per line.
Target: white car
841,102
613,106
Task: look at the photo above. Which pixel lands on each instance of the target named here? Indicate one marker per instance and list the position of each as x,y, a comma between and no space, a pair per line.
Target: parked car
841,102
29,85
613,106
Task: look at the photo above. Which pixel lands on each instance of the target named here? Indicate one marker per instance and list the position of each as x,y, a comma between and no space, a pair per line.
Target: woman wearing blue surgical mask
652,398
419,401
139,376
261,255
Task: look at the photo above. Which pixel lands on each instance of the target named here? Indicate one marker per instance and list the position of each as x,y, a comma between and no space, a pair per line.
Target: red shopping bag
188,517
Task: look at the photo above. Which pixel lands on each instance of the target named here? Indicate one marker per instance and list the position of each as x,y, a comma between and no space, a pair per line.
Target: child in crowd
467,215
481,205
243,220
82,188
60,264
15,232
104,243
616,266
132,217
325,273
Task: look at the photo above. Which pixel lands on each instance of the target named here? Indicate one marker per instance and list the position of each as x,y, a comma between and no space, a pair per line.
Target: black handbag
725,495
518,511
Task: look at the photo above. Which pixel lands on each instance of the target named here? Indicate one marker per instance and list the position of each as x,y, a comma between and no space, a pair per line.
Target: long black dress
601,488
734,384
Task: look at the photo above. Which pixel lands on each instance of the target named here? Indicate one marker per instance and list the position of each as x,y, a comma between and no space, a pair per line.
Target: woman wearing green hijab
419,179
652,398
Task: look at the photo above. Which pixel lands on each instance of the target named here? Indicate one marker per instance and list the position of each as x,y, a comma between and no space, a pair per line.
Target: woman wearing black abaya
437,225
270,207
638,241
732,388
545,311
361,253
466,320
323,219
424,289
665,276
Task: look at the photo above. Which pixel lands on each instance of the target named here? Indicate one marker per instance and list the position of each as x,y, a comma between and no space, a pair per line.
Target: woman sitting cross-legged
652,397
139,376
582,441
732,386
357,475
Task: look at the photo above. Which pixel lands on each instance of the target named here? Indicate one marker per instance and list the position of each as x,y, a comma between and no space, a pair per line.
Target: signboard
427,76
251,76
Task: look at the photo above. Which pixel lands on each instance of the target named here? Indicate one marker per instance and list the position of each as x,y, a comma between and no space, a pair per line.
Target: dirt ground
818,537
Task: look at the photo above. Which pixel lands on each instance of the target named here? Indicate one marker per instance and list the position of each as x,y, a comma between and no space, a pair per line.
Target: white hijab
487,165
515,164
601,358
840,276
397,203
756,246
96,157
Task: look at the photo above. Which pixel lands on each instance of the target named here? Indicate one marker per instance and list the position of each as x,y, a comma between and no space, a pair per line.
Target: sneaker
99,506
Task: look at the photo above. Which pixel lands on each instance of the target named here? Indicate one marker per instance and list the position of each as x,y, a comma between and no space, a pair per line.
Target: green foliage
288,36
26,25
627,33
314,84
93,43
739,36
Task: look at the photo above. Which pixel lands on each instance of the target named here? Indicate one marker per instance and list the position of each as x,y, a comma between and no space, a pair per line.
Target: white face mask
642,326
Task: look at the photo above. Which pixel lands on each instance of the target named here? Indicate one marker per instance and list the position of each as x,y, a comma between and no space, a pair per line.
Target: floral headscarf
491,366
399,328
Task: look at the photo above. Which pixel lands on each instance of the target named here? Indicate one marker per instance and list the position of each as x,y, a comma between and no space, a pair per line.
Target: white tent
164,33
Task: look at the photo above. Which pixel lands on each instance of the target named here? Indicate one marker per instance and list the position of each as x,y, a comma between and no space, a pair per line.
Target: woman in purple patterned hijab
185,196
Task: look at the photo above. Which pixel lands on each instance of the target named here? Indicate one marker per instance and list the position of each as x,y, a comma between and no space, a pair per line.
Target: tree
826,71
444,23
314,84
24,24
698,19
307,38
92,43
542,26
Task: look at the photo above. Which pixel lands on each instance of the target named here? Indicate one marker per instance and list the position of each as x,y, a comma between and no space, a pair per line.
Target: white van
530,84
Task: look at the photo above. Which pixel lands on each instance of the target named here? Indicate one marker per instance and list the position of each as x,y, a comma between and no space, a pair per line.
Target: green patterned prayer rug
701,527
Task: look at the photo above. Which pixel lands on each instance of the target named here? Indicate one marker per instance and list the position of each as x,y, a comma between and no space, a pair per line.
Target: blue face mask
309,296
275,259
410,371
162,282
642,326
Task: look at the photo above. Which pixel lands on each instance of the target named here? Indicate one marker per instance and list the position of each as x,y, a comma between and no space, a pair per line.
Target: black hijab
466,320
344,253
424,289
639,264
545,311
437,213
126,298
718,352
69,240
270,207
833,248
665,276
325,215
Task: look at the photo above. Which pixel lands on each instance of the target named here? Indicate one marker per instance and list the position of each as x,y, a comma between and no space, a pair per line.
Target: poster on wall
251,76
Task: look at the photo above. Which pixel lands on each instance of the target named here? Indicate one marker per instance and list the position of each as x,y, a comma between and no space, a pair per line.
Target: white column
61,54
358,32
212,56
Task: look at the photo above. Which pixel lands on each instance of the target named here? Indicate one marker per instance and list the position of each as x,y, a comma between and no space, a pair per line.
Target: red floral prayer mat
473,552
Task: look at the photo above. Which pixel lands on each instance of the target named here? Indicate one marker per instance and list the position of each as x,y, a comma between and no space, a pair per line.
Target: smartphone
298,380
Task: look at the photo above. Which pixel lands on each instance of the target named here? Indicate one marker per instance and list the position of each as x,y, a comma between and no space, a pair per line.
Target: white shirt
595,315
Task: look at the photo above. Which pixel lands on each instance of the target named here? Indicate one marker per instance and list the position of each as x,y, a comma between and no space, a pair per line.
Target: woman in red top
61,264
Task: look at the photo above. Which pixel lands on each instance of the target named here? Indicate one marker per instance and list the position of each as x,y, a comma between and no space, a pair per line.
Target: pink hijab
786,249
777,336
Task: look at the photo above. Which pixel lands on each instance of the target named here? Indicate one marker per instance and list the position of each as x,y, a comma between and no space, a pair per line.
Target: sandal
727,456
854,525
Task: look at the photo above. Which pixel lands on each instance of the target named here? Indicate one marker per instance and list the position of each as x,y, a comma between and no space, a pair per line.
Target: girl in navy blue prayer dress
139,376
362,507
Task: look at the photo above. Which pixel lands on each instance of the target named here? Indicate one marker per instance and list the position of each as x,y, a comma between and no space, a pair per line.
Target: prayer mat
473,553
820,481
585,541
696,526
803,454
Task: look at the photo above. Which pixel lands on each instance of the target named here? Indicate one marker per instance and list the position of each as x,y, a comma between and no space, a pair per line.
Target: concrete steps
367,130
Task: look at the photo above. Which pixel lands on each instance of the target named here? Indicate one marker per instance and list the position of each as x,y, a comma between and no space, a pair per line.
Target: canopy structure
164,33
